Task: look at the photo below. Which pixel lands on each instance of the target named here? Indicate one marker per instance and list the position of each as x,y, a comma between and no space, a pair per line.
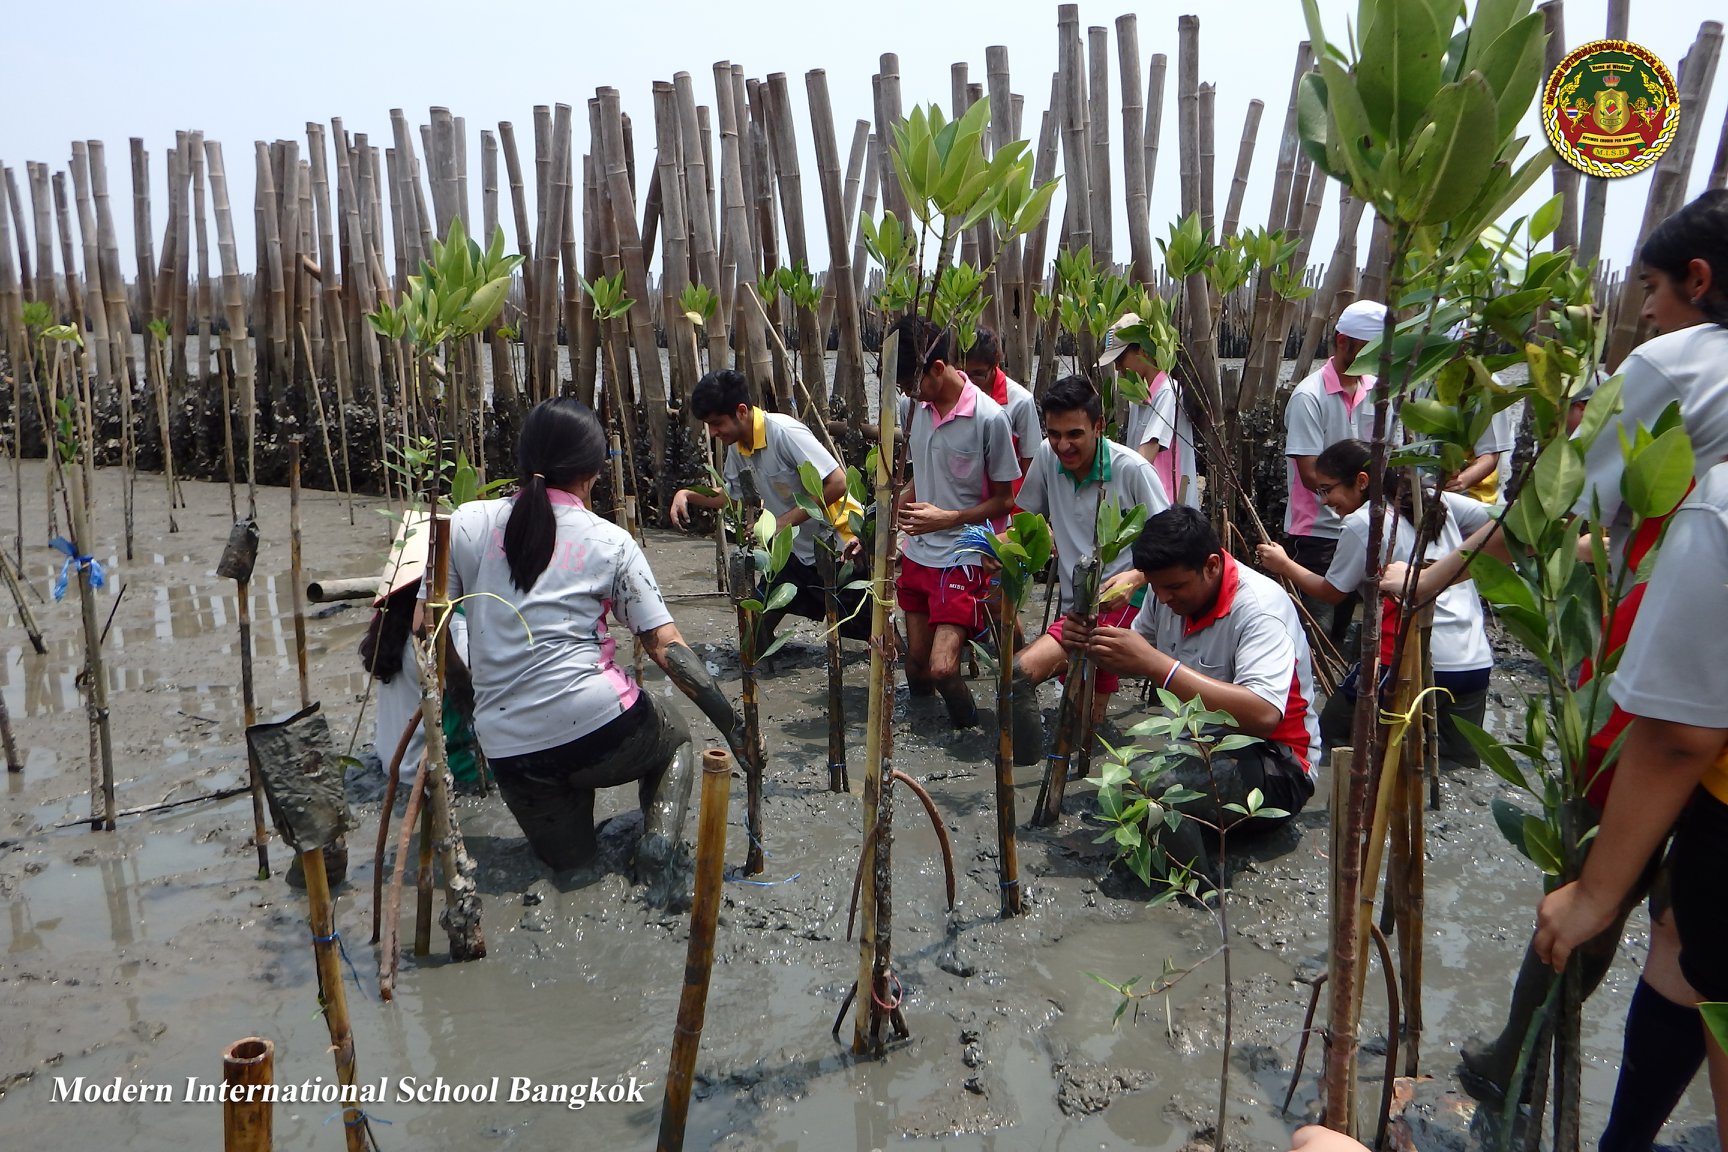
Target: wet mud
142,953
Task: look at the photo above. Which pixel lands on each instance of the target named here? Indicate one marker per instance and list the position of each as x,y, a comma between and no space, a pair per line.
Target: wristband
1170,675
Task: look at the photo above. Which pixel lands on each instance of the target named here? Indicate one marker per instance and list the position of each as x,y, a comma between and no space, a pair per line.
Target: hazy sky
243,71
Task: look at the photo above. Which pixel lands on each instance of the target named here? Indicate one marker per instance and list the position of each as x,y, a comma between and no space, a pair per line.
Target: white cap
407,561
1114,345
1363,320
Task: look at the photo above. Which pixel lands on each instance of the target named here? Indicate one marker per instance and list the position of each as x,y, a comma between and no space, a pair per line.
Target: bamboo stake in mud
236,565
247,1122
10,745
326,949
25,616
827,565
699,957
1008,851
102,807
297,585
879,736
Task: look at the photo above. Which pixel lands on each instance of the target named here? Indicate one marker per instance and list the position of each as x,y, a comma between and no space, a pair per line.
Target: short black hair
922,343
1178,537
986,348
1070,394
719,394
1695,232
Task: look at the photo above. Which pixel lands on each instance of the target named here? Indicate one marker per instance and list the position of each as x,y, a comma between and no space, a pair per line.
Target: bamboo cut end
251,1051
716,760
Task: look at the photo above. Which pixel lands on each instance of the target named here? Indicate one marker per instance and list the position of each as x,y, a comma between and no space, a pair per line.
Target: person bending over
771,447
555,715
1216,630
1073,472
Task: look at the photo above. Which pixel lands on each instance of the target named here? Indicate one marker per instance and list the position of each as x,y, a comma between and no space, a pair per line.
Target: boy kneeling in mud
1217,630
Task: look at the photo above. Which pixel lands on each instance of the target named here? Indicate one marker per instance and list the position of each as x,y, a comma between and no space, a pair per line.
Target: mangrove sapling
1138,806
612,310
1395,138
841,521
1023,549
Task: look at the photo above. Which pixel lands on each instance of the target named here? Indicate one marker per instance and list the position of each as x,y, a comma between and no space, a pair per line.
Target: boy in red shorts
961,450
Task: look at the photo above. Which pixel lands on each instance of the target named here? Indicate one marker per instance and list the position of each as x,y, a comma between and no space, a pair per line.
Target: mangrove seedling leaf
782,595
1509,818
1658,477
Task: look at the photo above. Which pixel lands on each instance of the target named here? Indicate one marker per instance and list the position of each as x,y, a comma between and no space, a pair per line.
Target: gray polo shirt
786,443
1071,505
1251,638
531,696
1317,417
953,461
1023,419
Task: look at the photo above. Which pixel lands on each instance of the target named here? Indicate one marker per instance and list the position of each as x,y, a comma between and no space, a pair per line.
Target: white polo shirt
1460,639
1071,503
778,444
1162,418
1689,367
1671,668
529,697
1251,638
954,458
1321,413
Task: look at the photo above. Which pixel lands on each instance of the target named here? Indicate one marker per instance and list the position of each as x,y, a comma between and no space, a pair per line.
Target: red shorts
1119,616
955,596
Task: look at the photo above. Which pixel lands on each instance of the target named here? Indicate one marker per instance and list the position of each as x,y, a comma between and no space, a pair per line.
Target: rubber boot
1485,1067
665,801
962,709
1028,722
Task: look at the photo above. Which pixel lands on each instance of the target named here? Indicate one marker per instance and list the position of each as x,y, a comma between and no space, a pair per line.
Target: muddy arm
666,647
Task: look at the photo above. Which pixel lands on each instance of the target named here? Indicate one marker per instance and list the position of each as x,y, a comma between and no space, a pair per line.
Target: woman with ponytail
1462,657
555,714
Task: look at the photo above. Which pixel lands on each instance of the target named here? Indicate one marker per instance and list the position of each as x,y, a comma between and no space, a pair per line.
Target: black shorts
810,601
1698,861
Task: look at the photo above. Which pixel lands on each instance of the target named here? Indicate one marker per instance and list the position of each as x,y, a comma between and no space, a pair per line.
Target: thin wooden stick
699,956
326,948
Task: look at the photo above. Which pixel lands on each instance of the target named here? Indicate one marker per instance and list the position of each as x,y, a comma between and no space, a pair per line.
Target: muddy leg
558,820
945,671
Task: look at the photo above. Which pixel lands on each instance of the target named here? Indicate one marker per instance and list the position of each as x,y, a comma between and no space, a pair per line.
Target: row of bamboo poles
342,220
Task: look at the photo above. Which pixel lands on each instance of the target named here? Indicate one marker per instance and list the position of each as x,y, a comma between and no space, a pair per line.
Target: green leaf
779,641
1512,66
1493,754
1542,846
1398,71
782,595
1510,818
1716,1019
1559,477
1456,167
1500,584
1658,477
780,549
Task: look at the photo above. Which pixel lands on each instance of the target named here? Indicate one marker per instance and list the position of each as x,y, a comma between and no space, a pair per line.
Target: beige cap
1114,346
407,561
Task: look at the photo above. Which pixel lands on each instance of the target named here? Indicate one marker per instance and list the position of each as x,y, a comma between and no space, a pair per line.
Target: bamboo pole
1244,159
1007,847
812,340
296,581
1098,141
42,216
247,1122
879,734
180,307
872,178
13,339
235,308
1565,176
26,618
102,807
1154,114
1337,287
743,582
236,564
1134,149
1198,338
675,246
330,297
9,744
321,913
887,107
16,205
1005,284
759,364
849,360
699,956
201,241
699,208
1076,156
1208,156
1074,714
1596,191
1255,371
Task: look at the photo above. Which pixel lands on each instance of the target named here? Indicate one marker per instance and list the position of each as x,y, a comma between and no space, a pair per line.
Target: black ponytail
1698,231
561,443
381,647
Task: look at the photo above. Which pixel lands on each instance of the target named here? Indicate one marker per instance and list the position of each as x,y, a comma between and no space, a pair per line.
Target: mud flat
140,954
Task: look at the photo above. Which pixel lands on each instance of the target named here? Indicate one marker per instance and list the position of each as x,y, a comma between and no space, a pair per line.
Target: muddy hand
692,678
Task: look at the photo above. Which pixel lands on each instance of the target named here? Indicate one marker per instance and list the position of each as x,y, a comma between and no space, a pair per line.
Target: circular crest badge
1610,108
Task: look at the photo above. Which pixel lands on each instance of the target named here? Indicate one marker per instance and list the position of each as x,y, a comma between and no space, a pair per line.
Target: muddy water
140,954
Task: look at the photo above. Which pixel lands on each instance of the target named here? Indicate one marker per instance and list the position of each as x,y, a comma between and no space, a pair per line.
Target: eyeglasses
1322,489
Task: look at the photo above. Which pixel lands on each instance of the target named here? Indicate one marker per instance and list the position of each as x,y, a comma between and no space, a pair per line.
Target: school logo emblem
1611,108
